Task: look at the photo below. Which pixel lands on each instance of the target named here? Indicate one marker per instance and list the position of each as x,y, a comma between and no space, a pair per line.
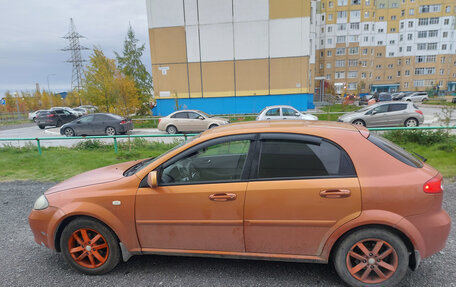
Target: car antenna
420,156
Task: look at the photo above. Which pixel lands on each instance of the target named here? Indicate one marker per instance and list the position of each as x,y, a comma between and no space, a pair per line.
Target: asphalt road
24,263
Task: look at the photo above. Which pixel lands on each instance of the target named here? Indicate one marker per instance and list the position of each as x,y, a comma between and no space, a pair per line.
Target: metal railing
185,136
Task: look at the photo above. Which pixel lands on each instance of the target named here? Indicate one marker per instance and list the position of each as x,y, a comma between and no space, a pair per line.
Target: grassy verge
328,117
146,124
15,122
340,108
59,163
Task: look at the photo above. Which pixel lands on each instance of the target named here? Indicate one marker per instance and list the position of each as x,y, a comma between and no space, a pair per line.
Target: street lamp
49,90
16,95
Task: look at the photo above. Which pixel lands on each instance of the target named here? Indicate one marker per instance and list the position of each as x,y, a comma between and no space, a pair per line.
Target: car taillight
122,122
159,120
434,185
420,112
50,115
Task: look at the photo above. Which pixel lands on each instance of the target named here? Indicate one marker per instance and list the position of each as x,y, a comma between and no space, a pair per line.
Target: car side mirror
373,112
201,118
297,114
78,122
152,179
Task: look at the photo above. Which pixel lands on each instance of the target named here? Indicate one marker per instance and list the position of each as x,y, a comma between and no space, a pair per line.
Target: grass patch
14,122
328,117
59,163
145,124
242,119
340,108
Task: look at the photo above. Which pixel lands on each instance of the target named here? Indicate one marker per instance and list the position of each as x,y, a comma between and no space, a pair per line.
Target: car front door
290,114
99,124
377,116
302,190
68,117
196,122
199,201
83,125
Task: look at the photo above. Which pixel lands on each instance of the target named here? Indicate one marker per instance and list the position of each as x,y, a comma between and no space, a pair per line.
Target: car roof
286,126
281,106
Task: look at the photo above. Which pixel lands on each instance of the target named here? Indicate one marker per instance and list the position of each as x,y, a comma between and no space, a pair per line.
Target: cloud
32,40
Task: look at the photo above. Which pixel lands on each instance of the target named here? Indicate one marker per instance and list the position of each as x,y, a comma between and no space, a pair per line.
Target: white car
32,115
283,113
416,97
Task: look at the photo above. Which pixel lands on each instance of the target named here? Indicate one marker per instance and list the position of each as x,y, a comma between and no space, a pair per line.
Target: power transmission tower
76,58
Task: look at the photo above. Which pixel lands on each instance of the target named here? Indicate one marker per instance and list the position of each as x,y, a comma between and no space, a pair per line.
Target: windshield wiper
132,170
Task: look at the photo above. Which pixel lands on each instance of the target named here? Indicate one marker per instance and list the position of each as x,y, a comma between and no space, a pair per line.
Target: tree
130,64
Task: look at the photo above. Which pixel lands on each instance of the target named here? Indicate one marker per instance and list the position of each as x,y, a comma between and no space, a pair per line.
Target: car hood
219,119
349,115
93,177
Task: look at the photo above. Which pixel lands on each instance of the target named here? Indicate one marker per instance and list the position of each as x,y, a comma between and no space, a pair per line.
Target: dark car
55,117
97,124
383,97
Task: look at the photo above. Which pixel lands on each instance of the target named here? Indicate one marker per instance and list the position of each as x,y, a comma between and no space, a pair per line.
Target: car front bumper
43,225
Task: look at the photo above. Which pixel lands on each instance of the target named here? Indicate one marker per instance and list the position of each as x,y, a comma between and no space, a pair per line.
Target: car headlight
41,203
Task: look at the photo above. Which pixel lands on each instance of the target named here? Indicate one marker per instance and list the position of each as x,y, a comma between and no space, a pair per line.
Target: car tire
411,122
93,258
409,100
34,119
359,123
59,123
41,127
110,131
213,126
172,130
364,256
69,132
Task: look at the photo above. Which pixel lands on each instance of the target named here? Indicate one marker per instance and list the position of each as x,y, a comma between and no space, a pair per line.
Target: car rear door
273,114
99,124
397,114
179,121
302,188
199,201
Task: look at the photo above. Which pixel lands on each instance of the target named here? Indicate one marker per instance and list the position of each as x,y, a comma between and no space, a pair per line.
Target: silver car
416,97
283,113
189,121
386,114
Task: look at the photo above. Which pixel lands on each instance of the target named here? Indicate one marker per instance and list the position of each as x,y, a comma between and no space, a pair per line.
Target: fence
13,116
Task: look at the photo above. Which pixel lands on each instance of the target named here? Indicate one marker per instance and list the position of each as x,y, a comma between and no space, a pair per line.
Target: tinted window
86,119
379,109
395,151
286,158
219,162
180,116
288,112
193,116
273,112
113,116
397,107
100,118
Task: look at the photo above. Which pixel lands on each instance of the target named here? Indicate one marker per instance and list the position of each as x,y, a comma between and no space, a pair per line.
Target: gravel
24,263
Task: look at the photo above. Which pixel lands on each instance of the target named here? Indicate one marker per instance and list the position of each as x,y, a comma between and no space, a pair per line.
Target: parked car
385,115
32,115
383,97
55,117
97,124
365,99
189,121
89,108
312,192
81,110
416,97
77,113
283,113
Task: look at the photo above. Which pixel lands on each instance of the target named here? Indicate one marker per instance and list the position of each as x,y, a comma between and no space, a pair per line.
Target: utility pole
17,104
76,58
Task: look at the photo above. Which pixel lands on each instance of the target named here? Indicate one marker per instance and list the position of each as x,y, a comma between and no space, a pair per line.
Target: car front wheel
69,132
372,257
89,246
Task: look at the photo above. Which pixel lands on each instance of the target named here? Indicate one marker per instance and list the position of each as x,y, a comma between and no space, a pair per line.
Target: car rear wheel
110,131
412,122
359,123
69,132
41,127
172,130
89,246
371,257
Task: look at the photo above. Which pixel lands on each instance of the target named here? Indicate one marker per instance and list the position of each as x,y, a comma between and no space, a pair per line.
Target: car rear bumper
45,122
126,127
434,229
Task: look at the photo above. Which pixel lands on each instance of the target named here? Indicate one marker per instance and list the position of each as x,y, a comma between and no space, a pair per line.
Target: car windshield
204,114
364,109
140,165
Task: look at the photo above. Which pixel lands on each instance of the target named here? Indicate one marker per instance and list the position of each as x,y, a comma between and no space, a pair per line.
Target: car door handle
335,193
222,196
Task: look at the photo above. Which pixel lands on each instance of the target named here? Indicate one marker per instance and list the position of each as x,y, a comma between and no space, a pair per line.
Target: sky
31,40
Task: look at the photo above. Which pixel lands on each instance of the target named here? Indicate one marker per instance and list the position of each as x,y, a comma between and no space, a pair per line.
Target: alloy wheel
372,261
110,131
88,248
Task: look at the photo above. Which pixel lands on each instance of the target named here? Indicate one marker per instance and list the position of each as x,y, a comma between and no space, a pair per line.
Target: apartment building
232,56
386,45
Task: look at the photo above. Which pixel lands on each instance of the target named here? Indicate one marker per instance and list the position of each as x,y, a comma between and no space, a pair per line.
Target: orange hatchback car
279,190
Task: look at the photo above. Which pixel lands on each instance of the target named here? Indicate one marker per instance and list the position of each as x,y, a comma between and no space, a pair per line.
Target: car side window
296,159
193,116
67,113
288,112
273,112
397,107
182,115
219,162
86,119
381,109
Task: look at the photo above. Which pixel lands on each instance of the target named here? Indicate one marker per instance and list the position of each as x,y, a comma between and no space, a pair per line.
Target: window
432,46
433,33
193,116
390,66
342,2
86,119
340,39
364,63
422,34
381,18
393,17
340,63
352,62
363,75
353,50
365,51
340,51
378,110
434,20
329,53
423,21
330,29
286,112
407,72
412,11
354,26
339,75
293,158
445,34
342,14
352,86
394,151
421,46
330,17
352,74
273,112
446,22
444,46
409,48
341,27
410,24
366,27
210,163
180,116
409,37
328,65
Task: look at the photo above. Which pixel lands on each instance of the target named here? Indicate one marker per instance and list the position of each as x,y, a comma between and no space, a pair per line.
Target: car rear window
395,151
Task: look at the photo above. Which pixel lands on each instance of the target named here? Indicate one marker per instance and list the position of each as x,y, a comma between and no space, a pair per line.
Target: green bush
422,137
